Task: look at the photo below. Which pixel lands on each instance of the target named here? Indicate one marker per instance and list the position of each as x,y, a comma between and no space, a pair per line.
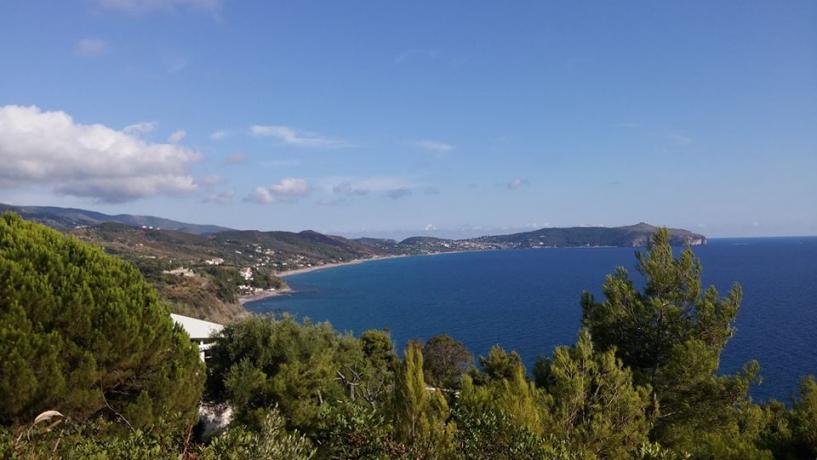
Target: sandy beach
298,271
274,293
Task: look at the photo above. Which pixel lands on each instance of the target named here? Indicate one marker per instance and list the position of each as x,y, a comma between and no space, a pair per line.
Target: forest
93,367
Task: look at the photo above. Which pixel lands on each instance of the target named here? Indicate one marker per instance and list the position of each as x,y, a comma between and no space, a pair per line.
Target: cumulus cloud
296,138
141,128
50,149
434,146
218,135
517,184
289,189
177,136
137,7
90,47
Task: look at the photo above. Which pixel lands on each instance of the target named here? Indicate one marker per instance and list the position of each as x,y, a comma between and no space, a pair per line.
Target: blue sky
388,118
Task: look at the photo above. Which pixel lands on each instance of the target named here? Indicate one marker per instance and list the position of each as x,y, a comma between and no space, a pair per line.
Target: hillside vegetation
641,382
203,271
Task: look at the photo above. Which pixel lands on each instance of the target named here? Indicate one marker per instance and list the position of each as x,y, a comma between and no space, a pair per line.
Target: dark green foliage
70,440
350,430
804,417
792,433
61,438
596,409
498,365
502,418
261,362
641,381
671,335
420,414
445,361
82,332
269,440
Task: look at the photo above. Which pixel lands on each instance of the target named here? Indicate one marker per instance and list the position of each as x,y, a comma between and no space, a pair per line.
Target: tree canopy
640,382
83,333
671,335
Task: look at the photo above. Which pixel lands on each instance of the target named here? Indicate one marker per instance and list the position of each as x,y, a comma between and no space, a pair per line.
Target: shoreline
315,268
298,271
288,290
264,295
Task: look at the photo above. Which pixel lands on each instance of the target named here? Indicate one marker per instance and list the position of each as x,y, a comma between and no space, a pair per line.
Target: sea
529,300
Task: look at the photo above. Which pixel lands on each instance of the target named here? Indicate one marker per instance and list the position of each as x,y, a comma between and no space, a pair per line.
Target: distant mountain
201,270
69,218
628,236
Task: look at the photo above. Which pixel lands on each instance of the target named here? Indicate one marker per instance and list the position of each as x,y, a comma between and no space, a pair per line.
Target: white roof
197,329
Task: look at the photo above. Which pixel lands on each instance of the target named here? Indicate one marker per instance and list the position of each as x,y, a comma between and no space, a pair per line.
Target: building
201,332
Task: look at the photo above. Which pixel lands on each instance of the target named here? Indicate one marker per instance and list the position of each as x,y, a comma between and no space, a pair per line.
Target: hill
69,218
629,236
204,270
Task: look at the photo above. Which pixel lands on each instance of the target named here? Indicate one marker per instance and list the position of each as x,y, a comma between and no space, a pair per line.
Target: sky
395,118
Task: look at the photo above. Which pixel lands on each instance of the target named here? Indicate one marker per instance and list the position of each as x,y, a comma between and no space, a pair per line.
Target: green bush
83,333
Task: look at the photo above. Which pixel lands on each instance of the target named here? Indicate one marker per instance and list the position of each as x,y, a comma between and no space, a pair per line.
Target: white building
201,332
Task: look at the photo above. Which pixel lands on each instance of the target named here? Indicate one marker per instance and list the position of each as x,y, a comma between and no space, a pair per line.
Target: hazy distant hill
201,270
628,236
68,218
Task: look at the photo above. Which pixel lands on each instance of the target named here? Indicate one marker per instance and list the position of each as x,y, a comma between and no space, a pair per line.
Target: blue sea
528,300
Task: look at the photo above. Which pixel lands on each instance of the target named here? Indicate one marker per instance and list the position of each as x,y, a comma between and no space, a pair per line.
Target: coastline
315,268
287,290
264,295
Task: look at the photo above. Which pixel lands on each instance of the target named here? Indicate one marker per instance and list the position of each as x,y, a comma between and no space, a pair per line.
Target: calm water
528,300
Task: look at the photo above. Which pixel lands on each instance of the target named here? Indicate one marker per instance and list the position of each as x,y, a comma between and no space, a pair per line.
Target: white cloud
137,7
291,136
430,228
90,47
50,149
218,135
289,189
141,128
177,136
517,183
434,146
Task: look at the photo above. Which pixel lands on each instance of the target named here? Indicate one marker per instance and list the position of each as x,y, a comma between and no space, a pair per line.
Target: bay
528,300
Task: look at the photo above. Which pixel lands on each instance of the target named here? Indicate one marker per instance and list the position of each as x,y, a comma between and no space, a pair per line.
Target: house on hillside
201,332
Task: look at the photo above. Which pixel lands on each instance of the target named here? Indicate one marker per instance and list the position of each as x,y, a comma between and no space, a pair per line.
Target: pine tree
83,333
672,335
420,413
596,409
